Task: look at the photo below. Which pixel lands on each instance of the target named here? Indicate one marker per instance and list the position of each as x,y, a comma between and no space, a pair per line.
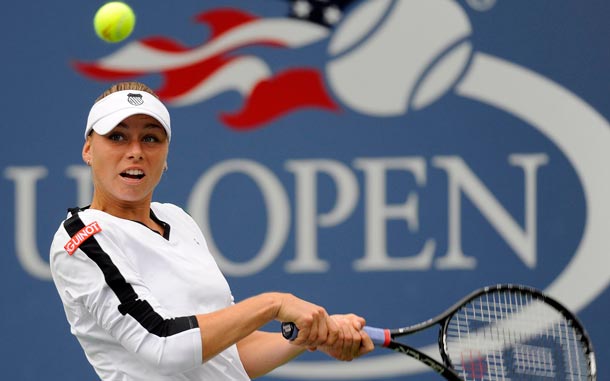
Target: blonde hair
126,86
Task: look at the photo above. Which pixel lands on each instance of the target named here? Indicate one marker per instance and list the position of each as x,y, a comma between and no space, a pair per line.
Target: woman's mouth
136,174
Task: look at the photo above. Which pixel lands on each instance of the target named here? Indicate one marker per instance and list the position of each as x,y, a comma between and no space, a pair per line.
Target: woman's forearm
223,328
261,352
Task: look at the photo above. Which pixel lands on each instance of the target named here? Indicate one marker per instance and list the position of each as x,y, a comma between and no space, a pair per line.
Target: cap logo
135,99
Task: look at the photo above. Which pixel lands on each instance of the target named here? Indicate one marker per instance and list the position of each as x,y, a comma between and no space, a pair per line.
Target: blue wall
386,163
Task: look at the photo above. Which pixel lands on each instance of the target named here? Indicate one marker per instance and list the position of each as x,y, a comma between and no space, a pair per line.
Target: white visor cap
111,110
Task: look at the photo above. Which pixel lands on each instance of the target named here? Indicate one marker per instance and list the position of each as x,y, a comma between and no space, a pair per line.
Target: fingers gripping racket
502,332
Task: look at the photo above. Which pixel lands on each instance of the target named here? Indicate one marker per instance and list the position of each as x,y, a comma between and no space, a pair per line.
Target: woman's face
127,163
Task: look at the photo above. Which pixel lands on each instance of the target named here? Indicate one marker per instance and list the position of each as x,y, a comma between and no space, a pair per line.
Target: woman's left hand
352,343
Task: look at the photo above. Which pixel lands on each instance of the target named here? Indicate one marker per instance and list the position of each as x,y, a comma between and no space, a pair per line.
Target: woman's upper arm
99,280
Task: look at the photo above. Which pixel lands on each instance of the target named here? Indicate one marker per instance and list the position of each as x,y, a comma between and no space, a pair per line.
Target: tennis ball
114,21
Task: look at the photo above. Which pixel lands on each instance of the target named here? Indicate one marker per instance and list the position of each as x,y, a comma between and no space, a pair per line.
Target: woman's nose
135,150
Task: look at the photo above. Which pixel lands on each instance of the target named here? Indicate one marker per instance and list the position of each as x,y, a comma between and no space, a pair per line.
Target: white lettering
276,202
84,186
378,211
462,180
81,236
25,179
307,217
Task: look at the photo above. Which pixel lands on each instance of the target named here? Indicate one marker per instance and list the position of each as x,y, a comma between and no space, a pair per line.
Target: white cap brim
111,110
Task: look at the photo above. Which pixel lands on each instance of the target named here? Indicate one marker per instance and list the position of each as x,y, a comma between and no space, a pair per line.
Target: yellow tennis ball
114,21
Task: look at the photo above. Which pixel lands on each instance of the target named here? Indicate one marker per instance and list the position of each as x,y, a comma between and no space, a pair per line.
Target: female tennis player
140,289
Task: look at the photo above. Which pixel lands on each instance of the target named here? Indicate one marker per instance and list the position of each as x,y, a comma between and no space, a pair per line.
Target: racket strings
511,336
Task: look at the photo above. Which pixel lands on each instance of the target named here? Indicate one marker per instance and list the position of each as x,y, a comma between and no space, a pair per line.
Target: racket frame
536,294
290,331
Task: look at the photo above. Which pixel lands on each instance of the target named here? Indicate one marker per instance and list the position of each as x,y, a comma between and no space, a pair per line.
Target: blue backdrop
381,157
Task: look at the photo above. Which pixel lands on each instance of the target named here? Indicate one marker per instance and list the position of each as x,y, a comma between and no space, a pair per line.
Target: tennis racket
501,332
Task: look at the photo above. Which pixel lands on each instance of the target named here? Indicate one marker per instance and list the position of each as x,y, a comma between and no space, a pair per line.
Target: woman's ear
87,151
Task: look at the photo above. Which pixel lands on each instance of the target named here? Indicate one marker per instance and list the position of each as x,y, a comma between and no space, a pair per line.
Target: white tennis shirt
131,295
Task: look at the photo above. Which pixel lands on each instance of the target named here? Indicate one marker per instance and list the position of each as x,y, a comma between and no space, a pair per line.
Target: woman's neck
139,213
136,211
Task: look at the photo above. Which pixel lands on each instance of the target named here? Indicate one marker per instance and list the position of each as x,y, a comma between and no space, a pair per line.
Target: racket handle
289,331
379,336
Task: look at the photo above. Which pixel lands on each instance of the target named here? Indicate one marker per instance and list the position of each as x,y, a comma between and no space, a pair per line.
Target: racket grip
289,331
379,336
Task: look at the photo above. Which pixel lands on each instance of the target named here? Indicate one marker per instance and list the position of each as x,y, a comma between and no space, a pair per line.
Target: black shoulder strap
77,209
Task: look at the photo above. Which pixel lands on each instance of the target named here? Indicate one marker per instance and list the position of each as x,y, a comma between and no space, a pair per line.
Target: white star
301,8
332,15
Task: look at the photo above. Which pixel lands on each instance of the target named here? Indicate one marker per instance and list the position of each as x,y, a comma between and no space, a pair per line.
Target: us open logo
409,57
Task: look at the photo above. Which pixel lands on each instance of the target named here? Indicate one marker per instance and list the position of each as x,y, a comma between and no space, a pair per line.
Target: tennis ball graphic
390,56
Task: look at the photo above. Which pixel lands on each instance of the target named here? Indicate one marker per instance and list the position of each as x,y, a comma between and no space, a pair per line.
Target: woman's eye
116,137
150,139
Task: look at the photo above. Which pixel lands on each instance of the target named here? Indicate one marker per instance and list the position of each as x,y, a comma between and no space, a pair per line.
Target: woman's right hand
316,327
